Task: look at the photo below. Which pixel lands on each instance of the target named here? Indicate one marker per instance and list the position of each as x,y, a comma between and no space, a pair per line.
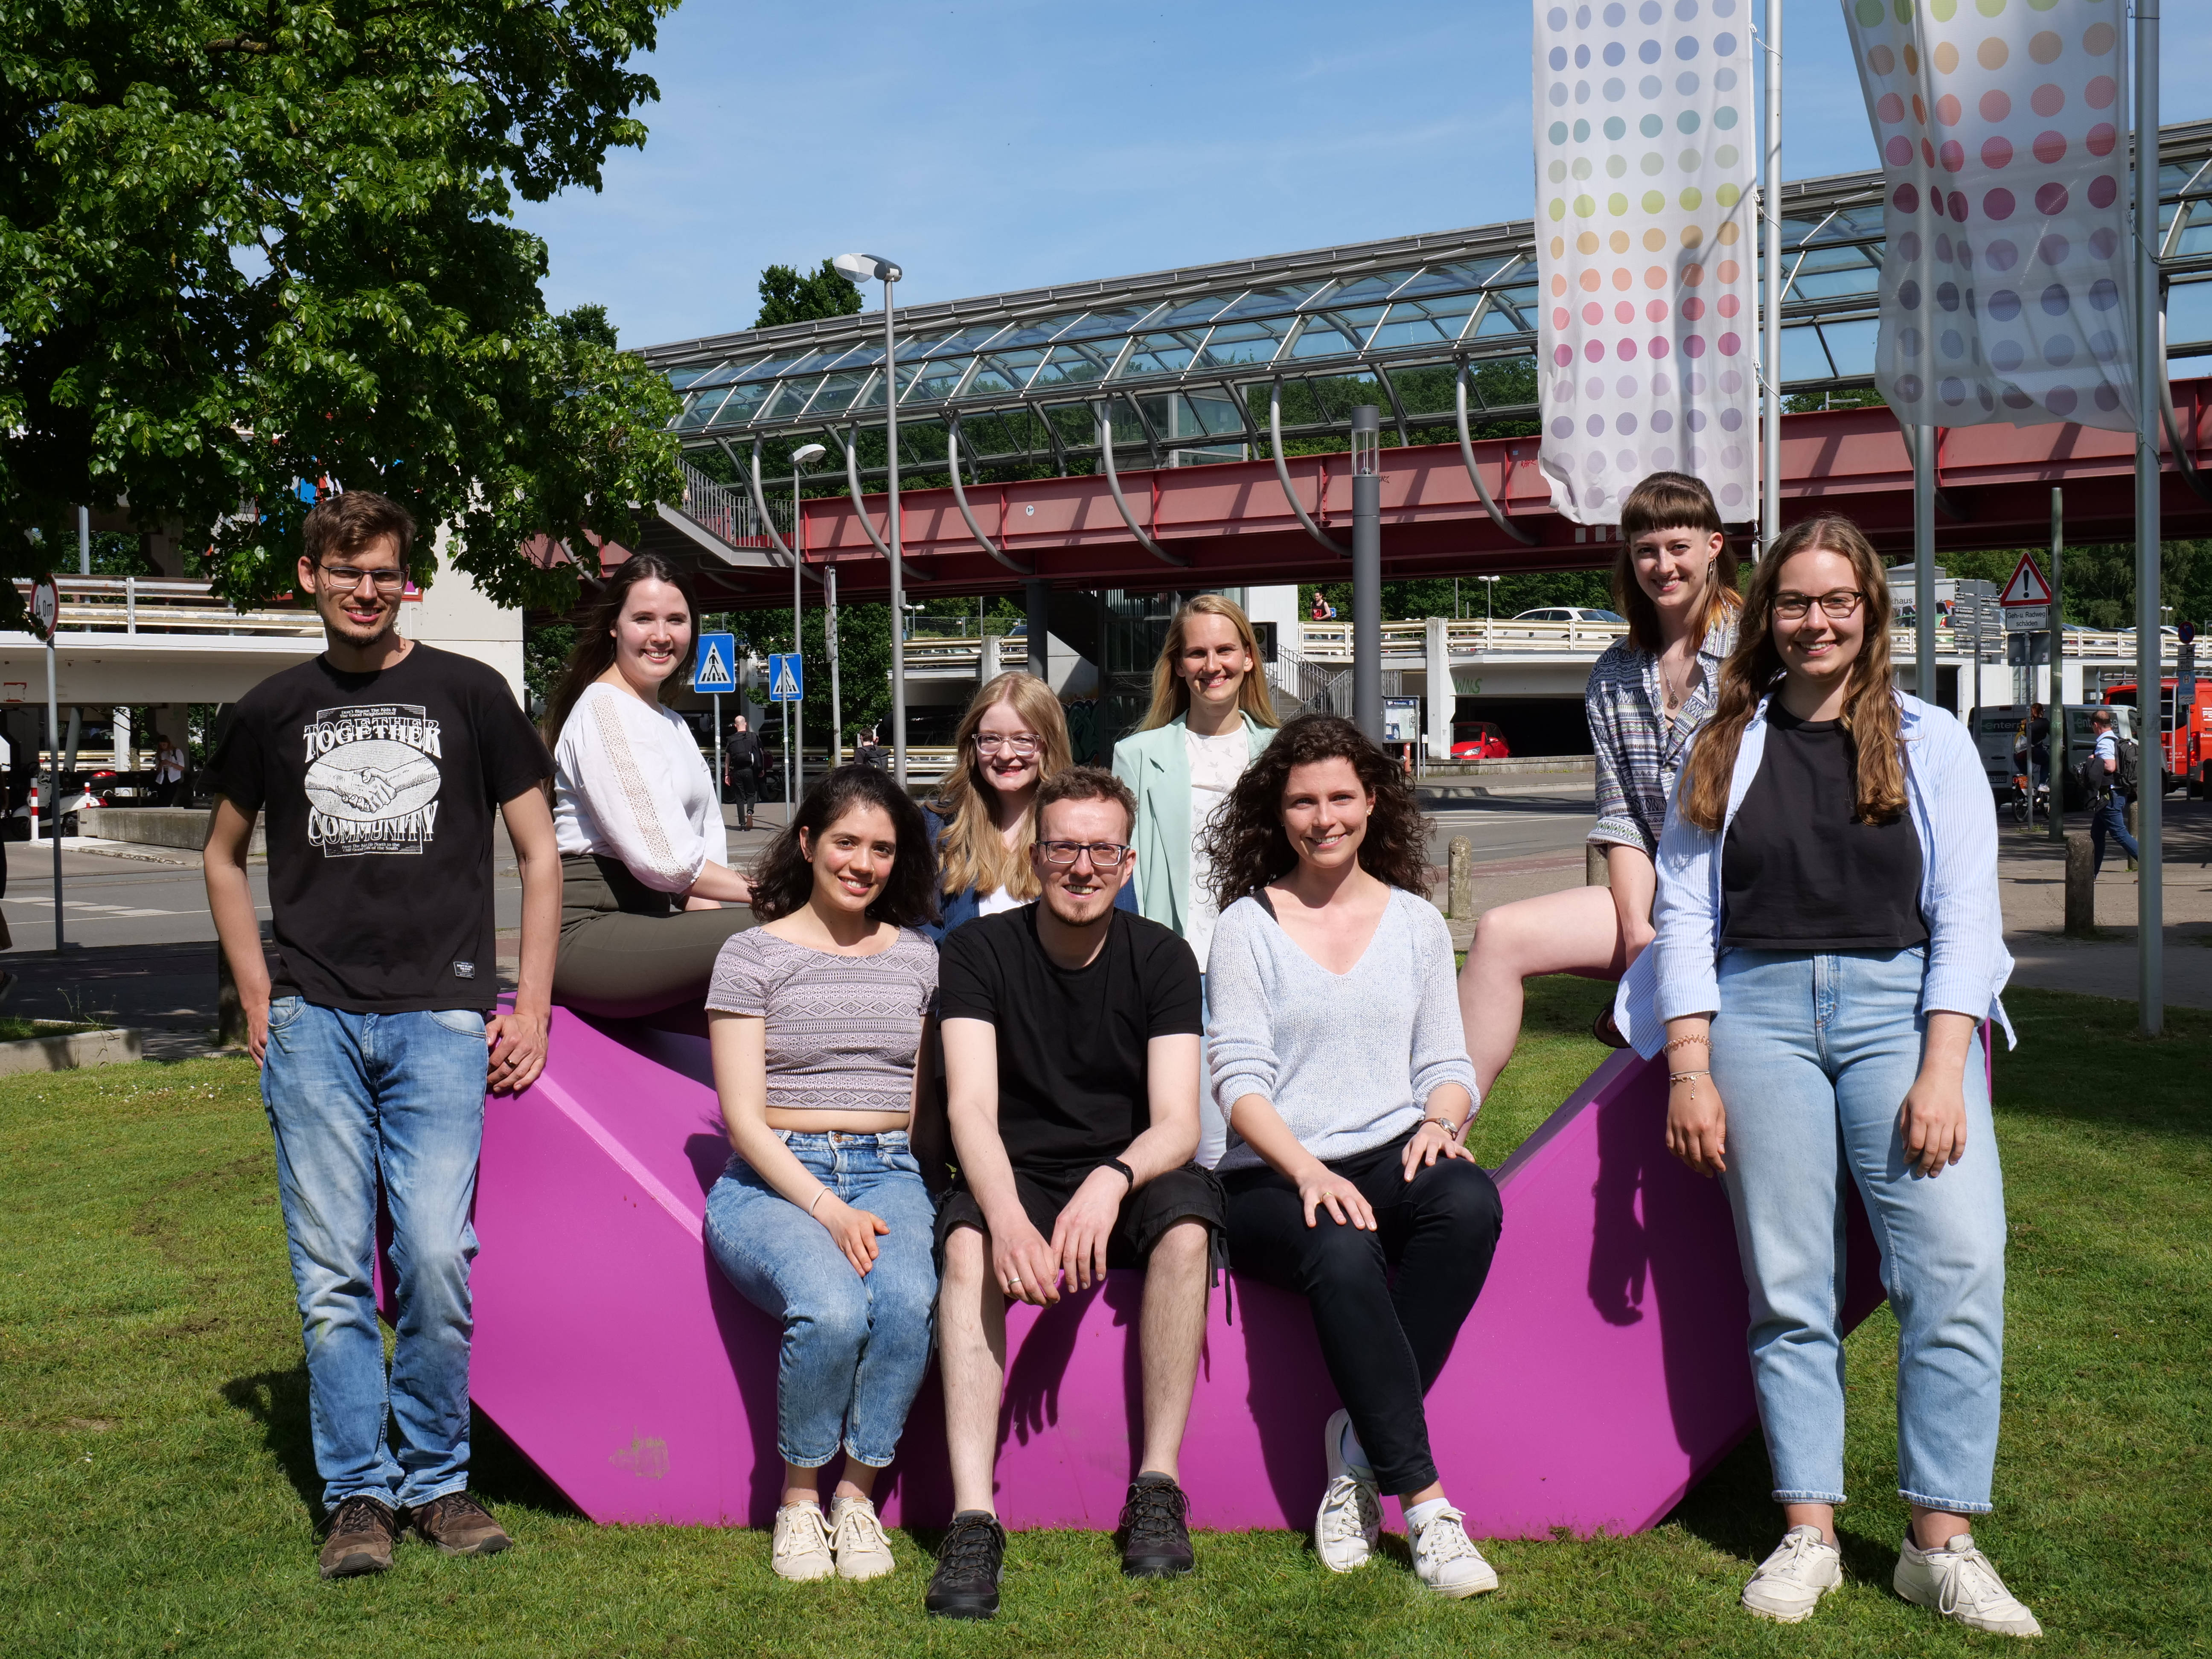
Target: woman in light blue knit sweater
1338,1060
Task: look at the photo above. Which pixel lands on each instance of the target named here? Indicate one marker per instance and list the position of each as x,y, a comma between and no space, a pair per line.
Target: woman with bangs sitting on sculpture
645,856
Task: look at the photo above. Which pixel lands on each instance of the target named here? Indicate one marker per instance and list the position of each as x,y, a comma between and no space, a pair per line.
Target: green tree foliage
246,243
787,296
2097,582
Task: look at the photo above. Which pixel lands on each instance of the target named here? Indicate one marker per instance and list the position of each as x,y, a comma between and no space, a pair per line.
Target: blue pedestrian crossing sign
787,676
715,667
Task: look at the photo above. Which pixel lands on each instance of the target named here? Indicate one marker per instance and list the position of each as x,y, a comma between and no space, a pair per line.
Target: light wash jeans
1813,1056
358,1101
854,1348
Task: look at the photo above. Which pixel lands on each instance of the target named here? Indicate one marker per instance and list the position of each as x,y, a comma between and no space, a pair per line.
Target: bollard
2081,887
1460,894
1595,872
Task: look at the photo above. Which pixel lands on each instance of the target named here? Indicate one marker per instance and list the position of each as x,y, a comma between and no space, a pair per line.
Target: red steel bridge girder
1231,523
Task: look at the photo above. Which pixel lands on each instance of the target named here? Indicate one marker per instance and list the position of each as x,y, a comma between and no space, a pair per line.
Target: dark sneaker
459,1525
1155,1540
361,1537
969,1564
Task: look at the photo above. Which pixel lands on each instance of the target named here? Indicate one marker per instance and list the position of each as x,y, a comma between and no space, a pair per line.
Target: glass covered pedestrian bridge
1188,366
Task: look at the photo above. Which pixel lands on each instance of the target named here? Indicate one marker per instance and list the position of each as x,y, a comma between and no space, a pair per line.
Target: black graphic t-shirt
378,792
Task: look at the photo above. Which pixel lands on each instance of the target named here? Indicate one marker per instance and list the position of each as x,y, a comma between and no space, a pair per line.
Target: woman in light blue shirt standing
1829,939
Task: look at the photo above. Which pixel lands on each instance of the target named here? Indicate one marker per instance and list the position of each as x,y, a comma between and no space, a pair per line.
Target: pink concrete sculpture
1603,1372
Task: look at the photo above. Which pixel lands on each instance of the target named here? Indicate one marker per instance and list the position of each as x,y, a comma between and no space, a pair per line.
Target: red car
1479,740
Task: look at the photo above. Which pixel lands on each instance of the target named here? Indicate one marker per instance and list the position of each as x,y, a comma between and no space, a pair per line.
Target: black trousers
1384,1340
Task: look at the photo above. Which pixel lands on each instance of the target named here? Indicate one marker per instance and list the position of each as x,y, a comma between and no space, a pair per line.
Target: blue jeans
1813,1056
358,1101
854,1348
2109,817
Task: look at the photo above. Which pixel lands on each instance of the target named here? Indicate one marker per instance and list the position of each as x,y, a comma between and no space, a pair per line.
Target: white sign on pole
45,605
714,667
2028,586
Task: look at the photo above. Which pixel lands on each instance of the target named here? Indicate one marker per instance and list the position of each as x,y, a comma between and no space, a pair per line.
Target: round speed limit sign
46,603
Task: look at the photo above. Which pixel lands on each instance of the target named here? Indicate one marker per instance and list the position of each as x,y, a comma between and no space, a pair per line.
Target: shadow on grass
498,1472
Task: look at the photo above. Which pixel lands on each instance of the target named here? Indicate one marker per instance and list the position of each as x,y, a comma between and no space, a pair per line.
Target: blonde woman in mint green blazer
1211,715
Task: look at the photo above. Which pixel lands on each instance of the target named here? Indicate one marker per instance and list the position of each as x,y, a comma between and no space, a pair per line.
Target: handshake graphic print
372,780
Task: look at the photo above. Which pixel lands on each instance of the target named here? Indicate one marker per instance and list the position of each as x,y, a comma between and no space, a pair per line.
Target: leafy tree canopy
247,243
787,296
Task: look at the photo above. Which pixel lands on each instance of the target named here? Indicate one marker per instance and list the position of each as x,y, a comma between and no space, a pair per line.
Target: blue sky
998,144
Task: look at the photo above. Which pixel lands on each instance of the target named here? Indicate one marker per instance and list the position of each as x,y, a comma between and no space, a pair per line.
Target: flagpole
1770,520
2150,372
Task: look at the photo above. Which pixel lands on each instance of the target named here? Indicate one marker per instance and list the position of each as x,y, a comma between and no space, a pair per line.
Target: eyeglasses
346,575
990,742
1104,855
1838,604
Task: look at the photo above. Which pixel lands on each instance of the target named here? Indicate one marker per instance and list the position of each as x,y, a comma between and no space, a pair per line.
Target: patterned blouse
1639,753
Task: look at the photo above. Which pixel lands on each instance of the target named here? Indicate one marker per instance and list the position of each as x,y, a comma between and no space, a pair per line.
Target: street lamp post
856,268
801,458
1367,570
1489,591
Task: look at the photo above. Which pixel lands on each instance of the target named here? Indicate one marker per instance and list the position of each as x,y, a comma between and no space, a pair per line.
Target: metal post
797,643
84,541
1924,563
790,797
1037,599
898,578
1770,200
2150,376
717,700
830,648
1367,571
2057,704
52,801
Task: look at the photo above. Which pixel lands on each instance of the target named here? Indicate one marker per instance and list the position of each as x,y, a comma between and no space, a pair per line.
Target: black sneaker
1155,1538
969,1564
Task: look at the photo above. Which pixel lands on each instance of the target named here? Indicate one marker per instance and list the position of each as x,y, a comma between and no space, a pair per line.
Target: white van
1997,728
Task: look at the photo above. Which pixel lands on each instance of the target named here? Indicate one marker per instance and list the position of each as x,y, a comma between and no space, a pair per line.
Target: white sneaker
1790,1583
857,1536
1446,1559
801,1552
1959,1582
1350,1515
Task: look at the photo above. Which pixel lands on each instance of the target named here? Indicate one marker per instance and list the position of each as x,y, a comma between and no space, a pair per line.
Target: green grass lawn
153,1463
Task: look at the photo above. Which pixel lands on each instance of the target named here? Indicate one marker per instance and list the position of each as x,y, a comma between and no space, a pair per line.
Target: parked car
1478,740
1573,613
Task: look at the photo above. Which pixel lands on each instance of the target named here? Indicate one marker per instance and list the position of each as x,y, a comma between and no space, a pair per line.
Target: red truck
2188,739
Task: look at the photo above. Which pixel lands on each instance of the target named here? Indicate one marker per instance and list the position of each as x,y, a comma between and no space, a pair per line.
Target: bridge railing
727,510
165,605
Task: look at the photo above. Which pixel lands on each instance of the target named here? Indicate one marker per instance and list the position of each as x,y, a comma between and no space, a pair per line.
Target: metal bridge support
1442,699
1036,597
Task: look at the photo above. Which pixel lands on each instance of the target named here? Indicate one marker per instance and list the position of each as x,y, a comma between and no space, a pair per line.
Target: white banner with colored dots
2006,293
1645,247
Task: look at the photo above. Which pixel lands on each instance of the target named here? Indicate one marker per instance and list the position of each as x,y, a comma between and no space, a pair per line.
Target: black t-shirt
378,792
1072,1088
1797,873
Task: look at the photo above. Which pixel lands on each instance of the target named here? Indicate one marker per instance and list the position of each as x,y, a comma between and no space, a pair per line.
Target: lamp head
1366,438
807,454
858,268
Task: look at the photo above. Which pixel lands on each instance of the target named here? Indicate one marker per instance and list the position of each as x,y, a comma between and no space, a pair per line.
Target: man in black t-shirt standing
741,763
379,766
1071,1033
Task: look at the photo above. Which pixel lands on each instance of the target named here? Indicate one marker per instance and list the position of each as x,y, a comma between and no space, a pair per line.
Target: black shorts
1189,1193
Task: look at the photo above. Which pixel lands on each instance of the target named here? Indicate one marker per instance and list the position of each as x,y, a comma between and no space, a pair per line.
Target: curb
71,1051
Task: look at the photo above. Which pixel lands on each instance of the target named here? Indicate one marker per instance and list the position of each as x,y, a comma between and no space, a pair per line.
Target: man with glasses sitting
1071,1032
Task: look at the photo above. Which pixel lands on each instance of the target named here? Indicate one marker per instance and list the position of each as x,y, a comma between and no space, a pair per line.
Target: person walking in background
741,769
379,765
168,773
1829,939
1339,1062
1210,716
869,750
1011,738
1071,1032
819,1025
2108,776
1648,696
645,856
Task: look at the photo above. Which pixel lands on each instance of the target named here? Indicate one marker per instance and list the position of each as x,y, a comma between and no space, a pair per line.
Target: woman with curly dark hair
1339,1062
820,1025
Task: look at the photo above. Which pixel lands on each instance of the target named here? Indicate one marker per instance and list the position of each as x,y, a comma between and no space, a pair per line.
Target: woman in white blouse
644,853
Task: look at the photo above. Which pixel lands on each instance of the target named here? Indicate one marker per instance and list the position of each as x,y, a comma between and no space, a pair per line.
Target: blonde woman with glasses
1011,740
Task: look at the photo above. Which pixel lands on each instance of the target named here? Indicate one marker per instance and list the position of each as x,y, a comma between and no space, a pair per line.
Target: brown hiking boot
361,1534
459,1525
